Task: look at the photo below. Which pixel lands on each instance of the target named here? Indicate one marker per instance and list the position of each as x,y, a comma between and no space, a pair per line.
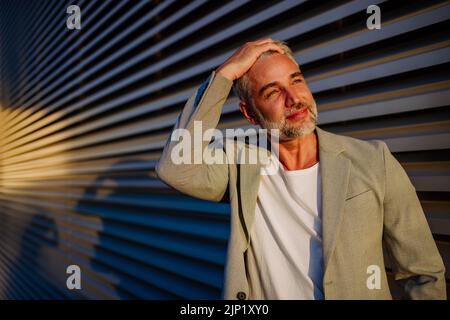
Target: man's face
281,97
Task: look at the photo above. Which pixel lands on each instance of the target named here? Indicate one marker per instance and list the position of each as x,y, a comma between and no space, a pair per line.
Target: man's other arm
416,259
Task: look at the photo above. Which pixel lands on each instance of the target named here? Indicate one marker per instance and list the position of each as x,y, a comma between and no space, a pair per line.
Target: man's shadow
23,281
128,258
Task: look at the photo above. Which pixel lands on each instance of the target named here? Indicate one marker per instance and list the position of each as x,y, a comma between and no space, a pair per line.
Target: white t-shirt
286,236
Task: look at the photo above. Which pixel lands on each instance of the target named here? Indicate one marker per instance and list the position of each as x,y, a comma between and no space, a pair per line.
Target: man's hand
244,58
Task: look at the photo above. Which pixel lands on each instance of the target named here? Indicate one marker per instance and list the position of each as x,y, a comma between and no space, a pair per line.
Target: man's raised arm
200,180
202,112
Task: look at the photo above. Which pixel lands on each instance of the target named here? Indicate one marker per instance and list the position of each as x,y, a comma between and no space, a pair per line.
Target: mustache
299,106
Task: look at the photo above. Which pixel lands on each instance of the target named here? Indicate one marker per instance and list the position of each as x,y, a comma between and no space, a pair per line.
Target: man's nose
293,97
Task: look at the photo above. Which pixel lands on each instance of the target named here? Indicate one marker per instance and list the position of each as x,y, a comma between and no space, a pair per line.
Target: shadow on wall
25,279
107,269
127,261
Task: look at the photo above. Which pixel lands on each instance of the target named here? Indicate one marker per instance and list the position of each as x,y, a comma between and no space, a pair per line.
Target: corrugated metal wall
85,114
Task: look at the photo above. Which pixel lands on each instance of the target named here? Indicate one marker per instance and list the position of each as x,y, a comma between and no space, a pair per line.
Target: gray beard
286,131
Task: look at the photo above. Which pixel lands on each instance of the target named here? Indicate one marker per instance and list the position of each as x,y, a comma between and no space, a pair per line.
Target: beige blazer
367,201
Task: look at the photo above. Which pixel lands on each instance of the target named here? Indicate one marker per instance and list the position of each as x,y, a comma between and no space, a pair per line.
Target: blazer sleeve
201,113
415,257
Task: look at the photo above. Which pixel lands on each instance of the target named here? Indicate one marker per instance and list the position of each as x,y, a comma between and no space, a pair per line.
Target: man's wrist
220,85
223,72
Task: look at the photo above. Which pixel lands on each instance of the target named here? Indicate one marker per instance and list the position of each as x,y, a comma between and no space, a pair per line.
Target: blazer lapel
250,178
335,172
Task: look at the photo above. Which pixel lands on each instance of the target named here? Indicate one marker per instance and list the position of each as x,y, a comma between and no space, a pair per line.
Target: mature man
314,229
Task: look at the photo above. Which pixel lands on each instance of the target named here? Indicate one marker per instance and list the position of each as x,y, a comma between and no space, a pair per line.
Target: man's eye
298,80
271,93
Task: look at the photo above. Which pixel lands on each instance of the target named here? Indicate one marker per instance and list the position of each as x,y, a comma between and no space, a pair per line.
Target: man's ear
247,112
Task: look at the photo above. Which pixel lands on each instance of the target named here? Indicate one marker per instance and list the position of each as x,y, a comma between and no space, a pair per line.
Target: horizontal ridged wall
85,114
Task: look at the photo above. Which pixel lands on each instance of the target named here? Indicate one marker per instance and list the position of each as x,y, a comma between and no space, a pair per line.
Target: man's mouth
299,114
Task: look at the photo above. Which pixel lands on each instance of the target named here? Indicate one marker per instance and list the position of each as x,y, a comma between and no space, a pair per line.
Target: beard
287,131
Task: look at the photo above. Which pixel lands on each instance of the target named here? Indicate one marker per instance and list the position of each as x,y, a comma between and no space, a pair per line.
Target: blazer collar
335,170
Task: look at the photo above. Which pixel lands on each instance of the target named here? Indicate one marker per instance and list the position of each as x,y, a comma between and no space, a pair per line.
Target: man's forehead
273,68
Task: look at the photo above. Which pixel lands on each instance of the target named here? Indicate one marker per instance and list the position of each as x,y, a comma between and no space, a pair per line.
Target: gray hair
242,85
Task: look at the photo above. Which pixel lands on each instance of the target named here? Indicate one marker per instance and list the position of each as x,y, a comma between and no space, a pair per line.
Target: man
314,229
